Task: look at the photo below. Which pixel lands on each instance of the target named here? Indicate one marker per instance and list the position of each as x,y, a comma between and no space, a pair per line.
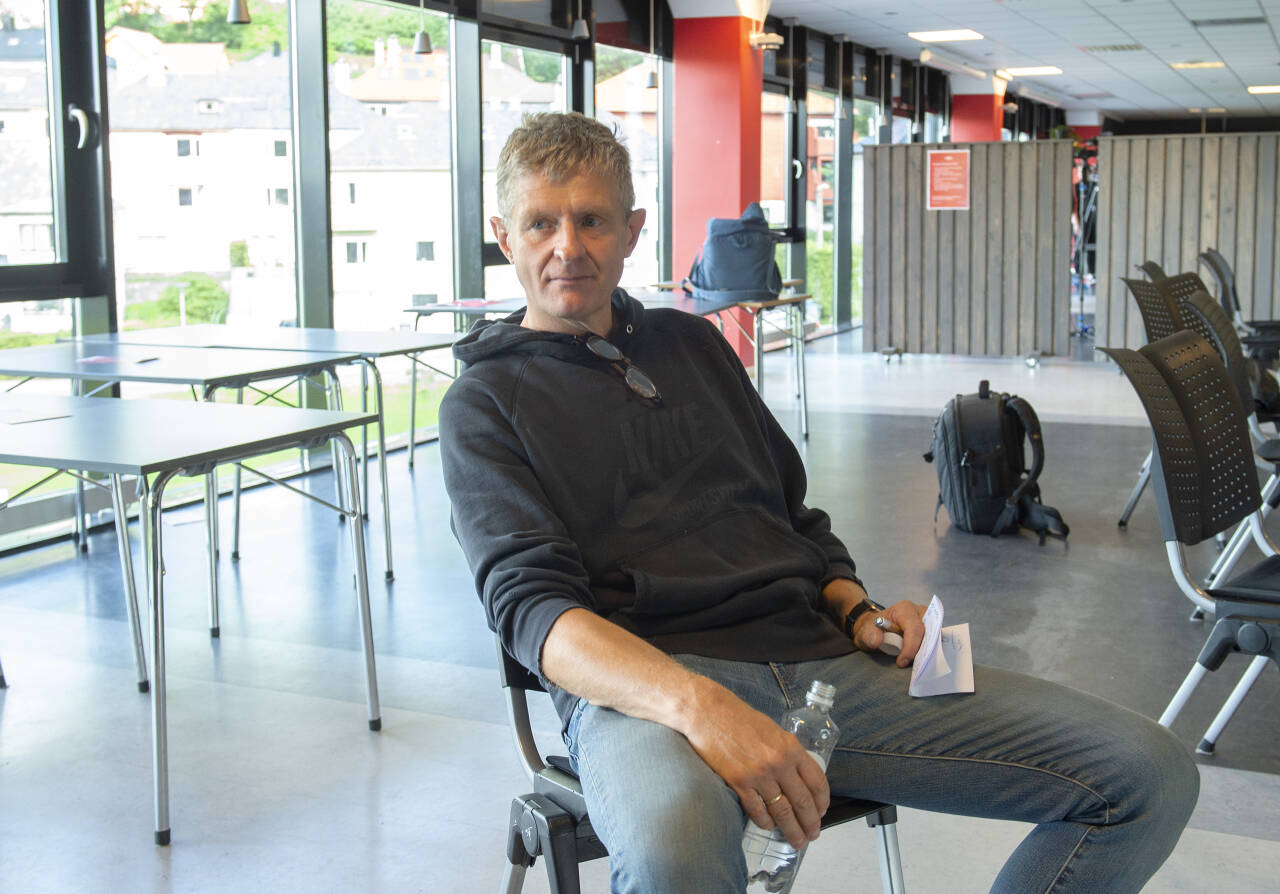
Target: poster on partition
947,186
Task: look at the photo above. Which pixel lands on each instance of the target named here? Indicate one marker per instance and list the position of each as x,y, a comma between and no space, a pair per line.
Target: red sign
948,184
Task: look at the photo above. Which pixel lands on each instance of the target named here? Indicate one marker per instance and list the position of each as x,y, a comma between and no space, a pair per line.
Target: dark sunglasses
639,383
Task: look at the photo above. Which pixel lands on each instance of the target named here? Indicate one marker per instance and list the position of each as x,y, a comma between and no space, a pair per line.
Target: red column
976,118
716,164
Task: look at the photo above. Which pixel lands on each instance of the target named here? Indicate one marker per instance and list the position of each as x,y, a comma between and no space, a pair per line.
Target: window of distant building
281,148
184,148
184,196
281,196
423,300
357,252
351,193
426,251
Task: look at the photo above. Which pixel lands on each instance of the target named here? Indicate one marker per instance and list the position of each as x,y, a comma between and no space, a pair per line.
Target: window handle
797,167
83,124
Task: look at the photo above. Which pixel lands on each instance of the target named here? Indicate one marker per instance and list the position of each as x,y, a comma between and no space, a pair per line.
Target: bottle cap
821,693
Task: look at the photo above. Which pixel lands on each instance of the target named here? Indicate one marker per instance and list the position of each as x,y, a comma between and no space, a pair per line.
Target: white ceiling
1081,37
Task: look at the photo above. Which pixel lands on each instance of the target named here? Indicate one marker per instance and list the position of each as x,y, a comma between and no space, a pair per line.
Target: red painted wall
716,106
976,118
1087,131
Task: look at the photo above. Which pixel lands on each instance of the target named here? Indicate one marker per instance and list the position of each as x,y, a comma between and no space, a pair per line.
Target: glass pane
201,191
775,158
513,82
865,126
537,12
390,183
29,222
820,211
22,324
627,100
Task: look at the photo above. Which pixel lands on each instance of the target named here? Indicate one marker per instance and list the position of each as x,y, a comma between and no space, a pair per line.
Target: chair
1205,482
1160,318
1153,270
1230,298
552,820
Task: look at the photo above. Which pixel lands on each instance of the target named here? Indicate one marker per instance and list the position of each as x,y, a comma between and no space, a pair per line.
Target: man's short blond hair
561,145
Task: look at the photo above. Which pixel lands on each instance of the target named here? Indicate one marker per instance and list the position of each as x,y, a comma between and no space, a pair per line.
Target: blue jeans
1108,789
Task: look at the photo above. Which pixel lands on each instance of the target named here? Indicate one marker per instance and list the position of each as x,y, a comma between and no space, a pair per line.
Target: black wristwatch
866,605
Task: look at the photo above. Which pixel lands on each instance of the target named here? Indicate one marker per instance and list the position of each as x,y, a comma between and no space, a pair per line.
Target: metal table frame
157,440
209,371
369,348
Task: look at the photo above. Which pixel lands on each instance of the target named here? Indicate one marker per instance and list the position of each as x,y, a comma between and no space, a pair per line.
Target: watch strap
866,605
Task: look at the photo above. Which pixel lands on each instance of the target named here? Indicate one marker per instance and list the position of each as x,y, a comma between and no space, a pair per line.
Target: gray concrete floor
277,782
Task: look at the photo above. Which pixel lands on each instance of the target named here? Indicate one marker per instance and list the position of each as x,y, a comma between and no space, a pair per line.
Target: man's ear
499,228
635,223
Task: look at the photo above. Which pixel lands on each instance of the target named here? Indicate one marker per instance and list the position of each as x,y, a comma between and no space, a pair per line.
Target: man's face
568,240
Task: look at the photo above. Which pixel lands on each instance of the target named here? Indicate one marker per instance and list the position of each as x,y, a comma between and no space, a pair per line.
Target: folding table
156,440
208,371
369,347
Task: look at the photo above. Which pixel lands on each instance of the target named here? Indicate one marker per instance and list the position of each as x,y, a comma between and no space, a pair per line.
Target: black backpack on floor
983,479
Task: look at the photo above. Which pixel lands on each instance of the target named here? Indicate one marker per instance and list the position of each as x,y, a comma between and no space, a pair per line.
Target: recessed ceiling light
1218,64
1195,110
1030,71
1265,88
940,36
1216,111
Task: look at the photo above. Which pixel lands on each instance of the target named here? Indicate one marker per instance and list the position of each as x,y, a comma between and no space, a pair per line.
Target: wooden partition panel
1168,198
991,280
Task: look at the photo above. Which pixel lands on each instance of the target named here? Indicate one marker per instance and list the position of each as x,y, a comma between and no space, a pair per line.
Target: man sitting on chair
635,521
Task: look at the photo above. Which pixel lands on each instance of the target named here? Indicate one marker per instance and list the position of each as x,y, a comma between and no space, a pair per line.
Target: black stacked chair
1153,270
1160,318
552,821
1206,482
1230,298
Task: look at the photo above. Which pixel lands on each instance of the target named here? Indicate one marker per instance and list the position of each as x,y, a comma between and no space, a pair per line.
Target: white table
156,440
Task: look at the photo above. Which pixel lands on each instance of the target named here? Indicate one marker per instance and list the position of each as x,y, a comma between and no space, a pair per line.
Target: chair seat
1261,583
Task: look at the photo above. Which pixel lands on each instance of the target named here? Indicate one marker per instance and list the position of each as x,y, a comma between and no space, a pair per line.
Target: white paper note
944,663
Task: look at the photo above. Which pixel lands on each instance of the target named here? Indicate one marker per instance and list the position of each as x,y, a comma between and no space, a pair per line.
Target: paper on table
944,663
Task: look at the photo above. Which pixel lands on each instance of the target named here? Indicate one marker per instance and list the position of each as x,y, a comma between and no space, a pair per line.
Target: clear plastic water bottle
771,861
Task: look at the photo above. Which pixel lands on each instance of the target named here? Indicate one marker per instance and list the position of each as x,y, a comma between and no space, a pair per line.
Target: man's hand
760,761
904,618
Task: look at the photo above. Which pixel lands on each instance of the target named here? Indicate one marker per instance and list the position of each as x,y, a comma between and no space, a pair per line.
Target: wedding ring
774,800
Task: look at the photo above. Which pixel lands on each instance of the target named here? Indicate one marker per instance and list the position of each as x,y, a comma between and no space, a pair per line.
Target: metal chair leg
1144,475
1180,697
1233,701
885,822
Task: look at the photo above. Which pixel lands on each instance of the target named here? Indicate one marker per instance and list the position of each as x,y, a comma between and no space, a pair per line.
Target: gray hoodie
681,520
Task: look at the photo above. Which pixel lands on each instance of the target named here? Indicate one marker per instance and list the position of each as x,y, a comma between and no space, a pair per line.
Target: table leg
130,587
802,392
348,500
333,396
235,515
153,550
81,524
364,436
759,347
413,402
211,529
382,466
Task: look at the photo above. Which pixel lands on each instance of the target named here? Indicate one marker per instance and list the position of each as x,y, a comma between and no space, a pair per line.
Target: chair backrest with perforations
1222,272
1205,478
1177,288
1153,270
1160,316
1206,318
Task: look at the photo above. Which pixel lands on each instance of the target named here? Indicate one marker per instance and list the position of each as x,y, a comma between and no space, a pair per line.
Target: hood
493,338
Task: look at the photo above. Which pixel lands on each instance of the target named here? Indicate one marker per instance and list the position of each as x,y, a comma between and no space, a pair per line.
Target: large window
821,200
627,100
390,187
775,156
514,80
866,124
201,169
28,211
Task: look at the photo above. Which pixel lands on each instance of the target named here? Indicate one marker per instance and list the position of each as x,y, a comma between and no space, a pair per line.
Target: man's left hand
904,619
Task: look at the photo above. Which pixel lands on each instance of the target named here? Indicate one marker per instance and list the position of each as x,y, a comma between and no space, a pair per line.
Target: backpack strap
1031,425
